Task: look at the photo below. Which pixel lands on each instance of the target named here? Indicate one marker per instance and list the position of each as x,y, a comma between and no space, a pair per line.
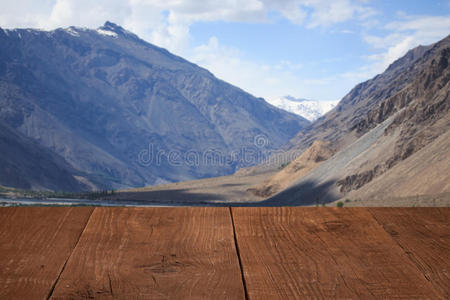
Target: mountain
385,144
308,109
28,165
337,125
120,112
309,160
390,136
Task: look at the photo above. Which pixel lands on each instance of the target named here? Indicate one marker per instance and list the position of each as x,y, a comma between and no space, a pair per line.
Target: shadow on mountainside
305,193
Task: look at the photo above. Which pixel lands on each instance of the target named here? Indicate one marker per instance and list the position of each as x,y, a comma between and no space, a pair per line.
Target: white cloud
428,24
23,13
167,23
230,64
403,35
330,12
172,18
262,79
85,13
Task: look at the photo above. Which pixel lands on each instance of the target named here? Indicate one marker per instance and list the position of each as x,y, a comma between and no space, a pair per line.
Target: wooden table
224,253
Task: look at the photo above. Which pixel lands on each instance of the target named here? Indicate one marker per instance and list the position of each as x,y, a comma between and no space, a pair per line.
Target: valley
385,144
225,149
128,116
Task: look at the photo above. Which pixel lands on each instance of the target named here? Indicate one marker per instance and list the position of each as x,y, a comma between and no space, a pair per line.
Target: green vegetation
3,189
340,204
347,200
7,191
284,165
12,192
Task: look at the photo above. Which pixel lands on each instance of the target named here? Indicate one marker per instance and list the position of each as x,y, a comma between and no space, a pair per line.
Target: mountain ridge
380,126
99,100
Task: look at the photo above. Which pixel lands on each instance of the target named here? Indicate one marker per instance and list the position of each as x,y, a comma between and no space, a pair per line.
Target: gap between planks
52,289
238,254
229,228
397,249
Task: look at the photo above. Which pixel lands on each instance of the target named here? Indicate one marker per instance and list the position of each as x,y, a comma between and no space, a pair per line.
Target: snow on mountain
107,32
309,109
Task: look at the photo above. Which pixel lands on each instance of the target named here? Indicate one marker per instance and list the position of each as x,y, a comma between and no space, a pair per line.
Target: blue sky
313,49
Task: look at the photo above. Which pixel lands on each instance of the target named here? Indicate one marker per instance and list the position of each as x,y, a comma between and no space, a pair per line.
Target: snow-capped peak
308,109
107,32
114,30
72,31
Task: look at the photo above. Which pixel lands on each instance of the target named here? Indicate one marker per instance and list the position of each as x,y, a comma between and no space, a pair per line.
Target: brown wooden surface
424,235
154,253
35,243
185,253
323,253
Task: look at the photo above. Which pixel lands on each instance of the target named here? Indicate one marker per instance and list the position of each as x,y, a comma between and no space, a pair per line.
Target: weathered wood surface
35,243
154,253
424,235
323,253
218,253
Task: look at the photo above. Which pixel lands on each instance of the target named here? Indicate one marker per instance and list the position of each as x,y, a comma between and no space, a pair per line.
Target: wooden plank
323,253
424,234
154,253
35,243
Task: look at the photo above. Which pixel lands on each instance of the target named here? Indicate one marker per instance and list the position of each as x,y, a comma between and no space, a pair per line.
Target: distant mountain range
308,109
102,108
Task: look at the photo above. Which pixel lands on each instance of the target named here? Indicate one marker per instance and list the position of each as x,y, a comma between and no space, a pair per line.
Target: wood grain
154,253
424,234
290,253
35,243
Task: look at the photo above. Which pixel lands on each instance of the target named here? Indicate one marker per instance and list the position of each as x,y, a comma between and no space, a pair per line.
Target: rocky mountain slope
310,159
308,109
338,124
127,113
387,132
27,165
